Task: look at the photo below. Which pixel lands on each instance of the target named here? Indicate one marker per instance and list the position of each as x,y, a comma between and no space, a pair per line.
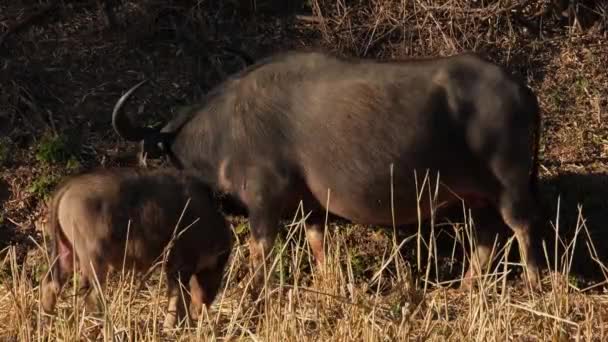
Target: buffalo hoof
49,297
170,321
468,281
466,284
532,281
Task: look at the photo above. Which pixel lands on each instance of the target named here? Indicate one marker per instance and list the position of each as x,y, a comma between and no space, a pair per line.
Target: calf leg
175,306
197,295
62,265
92,268
204,286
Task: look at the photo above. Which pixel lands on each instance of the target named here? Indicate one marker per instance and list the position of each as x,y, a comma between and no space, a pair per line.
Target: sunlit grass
305,303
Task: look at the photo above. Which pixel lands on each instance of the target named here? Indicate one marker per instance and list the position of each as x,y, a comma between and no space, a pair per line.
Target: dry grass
66,71
337,302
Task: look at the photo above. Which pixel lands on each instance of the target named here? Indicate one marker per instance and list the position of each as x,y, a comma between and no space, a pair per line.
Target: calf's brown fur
89,216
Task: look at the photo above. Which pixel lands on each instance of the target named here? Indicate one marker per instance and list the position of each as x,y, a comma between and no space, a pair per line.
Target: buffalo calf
109,219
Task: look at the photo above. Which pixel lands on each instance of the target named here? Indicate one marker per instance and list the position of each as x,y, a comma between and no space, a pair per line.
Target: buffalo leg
264,193
92,268
315,233
62,259
264,228
517,212
486,224
517,204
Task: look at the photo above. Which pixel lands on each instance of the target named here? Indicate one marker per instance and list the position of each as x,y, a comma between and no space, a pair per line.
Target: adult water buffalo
295,125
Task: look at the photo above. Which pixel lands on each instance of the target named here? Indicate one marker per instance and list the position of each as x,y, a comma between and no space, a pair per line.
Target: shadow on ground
5,233
5,192
589,193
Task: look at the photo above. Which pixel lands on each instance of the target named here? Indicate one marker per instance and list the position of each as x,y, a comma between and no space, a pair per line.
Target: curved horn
121,122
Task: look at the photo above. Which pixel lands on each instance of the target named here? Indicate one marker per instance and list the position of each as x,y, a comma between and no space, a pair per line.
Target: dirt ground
61,73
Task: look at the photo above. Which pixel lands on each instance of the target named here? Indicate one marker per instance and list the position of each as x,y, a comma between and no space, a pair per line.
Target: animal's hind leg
487,223
62,265
517,204
519,212
93,270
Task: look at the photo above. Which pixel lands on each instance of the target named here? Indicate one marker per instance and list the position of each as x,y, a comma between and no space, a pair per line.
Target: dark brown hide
298,125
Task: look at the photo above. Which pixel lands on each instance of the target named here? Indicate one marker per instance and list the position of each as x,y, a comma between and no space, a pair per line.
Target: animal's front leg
205,285
315,234
175,306
263,190
264,227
